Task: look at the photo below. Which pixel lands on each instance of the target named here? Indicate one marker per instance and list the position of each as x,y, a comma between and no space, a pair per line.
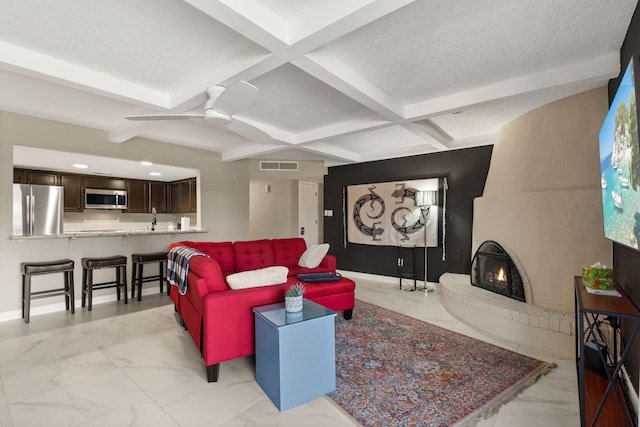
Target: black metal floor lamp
426,199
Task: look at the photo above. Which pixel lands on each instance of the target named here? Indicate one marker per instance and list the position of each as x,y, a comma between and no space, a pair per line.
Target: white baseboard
376,277
60,306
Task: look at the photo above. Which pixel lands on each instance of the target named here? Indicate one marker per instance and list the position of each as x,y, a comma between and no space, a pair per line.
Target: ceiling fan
220,108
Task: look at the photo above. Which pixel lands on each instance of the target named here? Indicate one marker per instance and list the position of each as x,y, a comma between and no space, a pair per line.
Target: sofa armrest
329,262
228,324
209,270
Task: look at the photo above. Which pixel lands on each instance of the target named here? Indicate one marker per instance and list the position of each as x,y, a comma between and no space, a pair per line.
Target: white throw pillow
256,278
312,257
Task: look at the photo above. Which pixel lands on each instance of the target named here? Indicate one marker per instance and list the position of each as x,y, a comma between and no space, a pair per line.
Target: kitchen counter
108,233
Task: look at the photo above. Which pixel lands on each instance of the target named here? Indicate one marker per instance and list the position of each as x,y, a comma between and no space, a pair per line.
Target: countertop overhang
108,233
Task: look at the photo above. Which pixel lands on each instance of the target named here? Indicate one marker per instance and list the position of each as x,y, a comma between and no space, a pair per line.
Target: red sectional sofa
220,319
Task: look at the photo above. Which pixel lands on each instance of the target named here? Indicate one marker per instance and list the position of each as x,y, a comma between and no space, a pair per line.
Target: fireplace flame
501,275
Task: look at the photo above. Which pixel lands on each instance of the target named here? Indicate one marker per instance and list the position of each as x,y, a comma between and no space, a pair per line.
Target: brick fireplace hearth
543,328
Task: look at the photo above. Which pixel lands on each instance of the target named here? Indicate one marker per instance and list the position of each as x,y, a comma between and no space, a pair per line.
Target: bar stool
89,264
137,278
37,268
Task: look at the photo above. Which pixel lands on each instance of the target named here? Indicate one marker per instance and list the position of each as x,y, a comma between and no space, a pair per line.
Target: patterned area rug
394,370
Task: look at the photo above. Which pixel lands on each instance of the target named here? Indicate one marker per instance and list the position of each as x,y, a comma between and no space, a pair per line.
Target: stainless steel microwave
104,199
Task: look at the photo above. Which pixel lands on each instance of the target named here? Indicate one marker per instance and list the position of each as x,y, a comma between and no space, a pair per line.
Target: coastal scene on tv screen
620,166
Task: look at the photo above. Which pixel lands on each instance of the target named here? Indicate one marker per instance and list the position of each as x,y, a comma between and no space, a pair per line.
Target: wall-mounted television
620,163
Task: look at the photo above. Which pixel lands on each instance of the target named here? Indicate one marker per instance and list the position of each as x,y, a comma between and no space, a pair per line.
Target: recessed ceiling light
146,163
154,173
80,166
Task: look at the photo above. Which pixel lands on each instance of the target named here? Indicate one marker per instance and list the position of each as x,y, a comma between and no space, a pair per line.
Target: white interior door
308,212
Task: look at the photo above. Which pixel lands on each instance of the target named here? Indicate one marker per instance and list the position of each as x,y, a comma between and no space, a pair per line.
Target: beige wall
223,210
542,196
274,213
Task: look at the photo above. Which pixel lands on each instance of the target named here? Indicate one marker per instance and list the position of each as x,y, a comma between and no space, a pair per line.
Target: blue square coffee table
295,353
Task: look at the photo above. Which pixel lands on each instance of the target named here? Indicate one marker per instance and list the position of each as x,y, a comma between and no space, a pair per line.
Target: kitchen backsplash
113,220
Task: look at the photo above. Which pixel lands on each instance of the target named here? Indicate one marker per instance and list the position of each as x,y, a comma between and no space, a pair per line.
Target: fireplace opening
493,269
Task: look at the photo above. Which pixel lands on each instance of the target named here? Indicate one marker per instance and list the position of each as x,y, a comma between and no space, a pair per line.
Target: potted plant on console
293,298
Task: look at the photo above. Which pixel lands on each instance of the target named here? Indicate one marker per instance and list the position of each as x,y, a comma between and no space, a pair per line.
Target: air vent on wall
278,166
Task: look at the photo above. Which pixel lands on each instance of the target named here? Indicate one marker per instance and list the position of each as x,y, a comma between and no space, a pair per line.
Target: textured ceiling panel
27,95
390,138
340,81
296,102
153,43
490,117
434,48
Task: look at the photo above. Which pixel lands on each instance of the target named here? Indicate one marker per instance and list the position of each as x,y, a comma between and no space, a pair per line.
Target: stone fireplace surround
541,202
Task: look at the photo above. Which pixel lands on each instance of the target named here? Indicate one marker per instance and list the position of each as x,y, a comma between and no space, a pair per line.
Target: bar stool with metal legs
137,278
29,269
89,264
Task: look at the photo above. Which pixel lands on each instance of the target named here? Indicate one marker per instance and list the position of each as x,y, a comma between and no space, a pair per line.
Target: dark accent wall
466,171
626,261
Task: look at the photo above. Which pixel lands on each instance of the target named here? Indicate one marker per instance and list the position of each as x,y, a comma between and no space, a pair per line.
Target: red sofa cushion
287,252
253,254
320,289
209,270
222,252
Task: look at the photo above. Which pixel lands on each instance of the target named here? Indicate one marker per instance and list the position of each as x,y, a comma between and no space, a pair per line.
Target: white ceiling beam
252,150
249,18
25,61
251,24
328,68
193,96
428,132
341,129
391,153
599,69
252,61
336,23
474,141
333,151
602,68
278,135
269,31
125,130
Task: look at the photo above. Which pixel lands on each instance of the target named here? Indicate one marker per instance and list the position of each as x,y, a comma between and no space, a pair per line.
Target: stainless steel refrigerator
38,210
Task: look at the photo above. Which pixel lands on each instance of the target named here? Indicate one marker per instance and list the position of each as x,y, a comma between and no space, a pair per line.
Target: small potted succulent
293,298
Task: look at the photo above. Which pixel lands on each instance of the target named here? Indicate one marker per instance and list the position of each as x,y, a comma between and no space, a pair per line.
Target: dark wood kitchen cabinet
42,178
159,196
72,184
27,176
145,195
183,196
19,176
73,192
104,183
138,196
37,177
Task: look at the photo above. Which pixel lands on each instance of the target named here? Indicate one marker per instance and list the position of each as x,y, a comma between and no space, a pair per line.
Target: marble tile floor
132,365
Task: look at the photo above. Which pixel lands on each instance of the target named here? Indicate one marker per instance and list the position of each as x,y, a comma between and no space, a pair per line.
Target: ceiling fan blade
249,131
236,98
166,117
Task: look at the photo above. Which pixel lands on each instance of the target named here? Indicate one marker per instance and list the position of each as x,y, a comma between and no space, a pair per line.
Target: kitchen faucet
155,220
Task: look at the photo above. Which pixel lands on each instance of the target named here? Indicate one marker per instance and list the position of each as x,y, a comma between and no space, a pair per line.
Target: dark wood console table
601,398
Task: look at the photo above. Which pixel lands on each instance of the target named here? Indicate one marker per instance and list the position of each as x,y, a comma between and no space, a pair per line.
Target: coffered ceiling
343,81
